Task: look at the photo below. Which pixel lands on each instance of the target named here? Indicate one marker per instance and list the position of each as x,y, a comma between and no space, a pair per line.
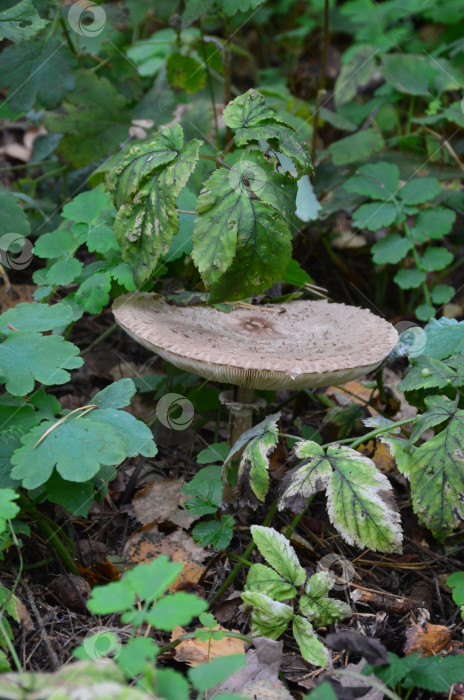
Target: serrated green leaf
134,656
435,258
171,685
64,272
359,146
176,609
396,670
312,650
375,215
150,580
435,673
324,611
26,357
247,110
145,224
445,337
40,70
357,494
94,293
214,533
14,218
123,276
101,239
397,447
391,249
254,463
278,552
420,190
206,490
433,223
425,372
269,618
20,22
89,207
94,119
357,70
35,317
263,579
409,279
406,73
54,245
217,452
281,138
375,180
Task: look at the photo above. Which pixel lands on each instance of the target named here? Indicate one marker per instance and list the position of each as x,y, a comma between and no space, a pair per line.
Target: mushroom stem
241,416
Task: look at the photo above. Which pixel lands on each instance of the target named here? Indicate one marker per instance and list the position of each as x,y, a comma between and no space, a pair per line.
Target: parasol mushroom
297,345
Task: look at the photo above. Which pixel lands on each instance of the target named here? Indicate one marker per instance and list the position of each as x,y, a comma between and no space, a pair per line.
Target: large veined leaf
437,473
147,219
20,22
242,245
316,606
312,650
278,552
247,110
263,579
269,618
359,497
425,372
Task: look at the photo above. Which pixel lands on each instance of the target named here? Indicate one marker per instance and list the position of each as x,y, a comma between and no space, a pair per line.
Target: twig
51,652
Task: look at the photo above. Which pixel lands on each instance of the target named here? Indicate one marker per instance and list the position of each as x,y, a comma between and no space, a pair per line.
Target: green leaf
8,507
217,452
151,580
185,73
79,446
377,181
93,118
433,223
114,597
269,618
145,224
436,258
35,317
324,611
278,552
420,190
396,670
134,656
14,218
281,138
375,215
40,70
247,110
241,245
359,146
435,673
322,692
406,73
263,579
116,395
26,357
20,22
424,312
176,609
442,293
206,676
231,7
357,494
357,70
75,497
94,293
89,207
409,279
206,491
54,245
194,9
312,650
123,276
171,685
254,463
101,239
425,372
391,249
445,337
214,533
437,478
456,581
397,447
64,272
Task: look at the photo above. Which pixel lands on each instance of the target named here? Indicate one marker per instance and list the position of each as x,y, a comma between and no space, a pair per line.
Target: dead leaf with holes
161,501
149,543
194,652
427,640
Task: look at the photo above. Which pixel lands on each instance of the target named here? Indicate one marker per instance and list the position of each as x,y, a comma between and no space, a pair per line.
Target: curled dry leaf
427,640
194,652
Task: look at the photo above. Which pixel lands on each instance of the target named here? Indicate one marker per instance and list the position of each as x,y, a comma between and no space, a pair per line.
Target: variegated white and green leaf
320,584
263,579
400,450
269,618
312,649
304,481
324,611
278,552
254,463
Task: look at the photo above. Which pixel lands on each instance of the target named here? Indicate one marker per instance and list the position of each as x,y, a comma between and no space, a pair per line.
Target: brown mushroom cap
309,344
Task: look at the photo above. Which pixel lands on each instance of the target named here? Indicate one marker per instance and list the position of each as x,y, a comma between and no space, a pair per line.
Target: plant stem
238,567
296,520
100,339
5,638
373,433
417,262
209,81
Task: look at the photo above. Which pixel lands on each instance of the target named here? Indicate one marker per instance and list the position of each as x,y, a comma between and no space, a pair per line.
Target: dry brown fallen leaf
162,500
427,640
194,652
150,543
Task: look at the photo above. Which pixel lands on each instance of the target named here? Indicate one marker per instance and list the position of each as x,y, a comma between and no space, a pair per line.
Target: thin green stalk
374,433
296,520
100,339
415,255
4,636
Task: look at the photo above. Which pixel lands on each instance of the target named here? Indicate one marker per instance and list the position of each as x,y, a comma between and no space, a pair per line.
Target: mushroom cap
307,344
